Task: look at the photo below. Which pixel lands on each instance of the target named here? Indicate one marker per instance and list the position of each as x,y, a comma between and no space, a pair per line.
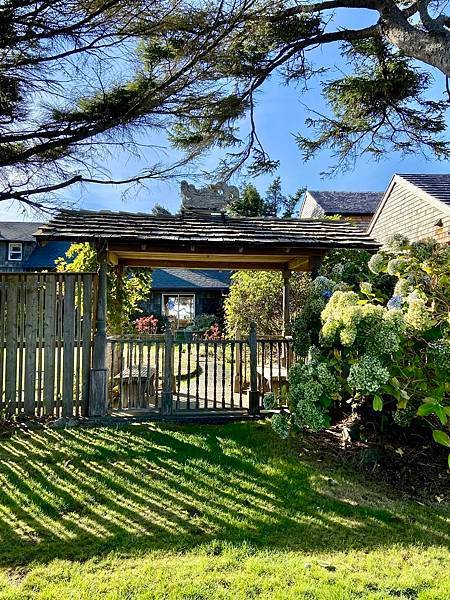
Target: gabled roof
433,189
184,230
347,203
185,279
18,231
437,186
43,257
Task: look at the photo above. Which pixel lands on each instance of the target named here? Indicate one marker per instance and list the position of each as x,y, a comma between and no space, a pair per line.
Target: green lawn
198,512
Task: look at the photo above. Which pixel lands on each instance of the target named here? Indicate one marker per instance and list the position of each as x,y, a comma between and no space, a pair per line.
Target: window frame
177,295
11,250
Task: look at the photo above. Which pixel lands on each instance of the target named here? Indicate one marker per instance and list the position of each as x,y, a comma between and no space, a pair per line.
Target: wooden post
167,394
253,394
286,301
113,354
238,365
98,379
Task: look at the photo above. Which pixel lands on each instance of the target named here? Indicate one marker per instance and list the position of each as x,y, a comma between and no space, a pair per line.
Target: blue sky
280,114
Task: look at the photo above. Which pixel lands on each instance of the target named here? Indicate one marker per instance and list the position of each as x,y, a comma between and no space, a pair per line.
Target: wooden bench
137,385
271,382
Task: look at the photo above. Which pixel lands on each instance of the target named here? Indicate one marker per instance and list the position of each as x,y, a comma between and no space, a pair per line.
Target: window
15,251
179,308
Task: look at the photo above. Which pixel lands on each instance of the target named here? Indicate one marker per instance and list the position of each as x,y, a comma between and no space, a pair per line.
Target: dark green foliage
273,204
249,203
382,103
81,81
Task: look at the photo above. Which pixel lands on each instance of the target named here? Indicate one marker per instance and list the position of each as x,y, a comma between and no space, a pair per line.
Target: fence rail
45,343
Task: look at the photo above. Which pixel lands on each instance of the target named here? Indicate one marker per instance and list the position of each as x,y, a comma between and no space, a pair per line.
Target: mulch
408,463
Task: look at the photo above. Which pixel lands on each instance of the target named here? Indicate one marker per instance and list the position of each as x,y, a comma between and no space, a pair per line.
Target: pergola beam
198,264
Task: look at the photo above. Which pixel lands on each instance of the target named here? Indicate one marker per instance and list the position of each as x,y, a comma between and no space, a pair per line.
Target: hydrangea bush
382,342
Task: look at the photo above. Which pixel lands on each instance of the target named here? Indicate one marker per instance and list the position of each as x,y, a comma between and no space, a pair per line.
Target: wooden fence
53,344
46,343
157,373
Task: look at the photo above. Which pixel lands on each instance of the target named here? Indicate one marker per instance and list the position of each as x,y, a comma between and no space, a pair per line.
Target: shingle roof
43,257
437,186
347,203
18,231
187,229
185,279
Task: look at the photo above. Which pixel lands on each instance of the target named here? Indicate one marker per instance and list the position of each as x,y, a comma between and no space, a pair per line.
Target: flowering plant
213,333
388,351
146,324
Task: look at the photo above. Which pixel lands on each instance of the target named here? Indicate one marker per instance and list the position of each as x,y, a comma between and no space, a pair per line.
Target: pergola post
286,300
98,376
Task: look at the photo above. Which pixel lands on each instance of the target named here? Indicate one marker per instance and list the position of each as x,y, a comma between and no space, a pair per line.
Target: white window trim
11,249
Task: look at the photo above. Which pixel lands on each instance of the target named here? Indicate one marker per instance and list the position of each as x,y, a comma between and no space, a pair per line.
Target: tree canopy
82,79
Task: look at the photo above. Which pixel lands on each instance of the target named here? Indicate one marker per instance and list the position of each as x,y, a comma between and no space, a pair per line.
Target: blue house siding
44,257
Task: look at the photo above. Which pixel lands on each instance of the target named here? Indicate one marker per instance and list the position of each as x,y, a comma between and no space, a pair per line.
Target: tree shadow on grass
80,493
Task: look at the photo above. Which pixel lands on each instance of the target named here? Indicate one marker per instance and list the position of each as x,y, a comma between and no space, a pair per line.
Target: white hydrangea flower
376,263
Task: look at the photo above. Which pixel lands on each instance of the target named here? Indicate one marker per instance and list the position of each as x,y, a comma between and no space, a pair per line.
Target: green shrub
389,353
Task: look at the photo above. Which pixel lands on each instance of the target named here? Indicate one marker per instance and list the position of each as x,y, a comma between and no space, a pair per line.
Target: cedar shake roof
18,231
437,186
223,231
347,203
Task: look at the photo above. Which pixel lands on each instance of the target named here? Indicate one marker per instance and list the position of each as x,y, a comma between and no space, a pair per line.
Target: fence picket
32,319
68,345
49,345
11,344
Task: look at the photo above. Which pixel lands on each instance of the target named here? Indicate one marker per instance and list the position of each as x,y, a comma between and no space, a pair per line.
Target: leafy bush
125,291
387,352
203,322
256,296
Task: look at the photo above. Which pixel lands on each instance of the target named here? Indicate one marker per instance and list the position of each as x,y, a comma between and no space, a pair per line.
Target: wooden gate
157,373
46,343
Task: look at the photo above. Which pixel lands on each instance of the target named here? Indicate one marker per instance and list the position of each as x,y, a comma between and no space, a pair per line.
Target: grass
199,512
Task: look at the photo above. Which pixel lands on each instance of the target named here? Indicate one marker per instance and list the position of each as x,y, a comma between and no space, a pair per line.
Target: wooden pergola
196,242
193,241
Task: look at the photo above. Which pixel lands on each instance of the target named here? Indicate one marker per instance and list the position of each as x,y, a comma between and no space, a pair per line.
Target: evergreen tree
249,203
274,199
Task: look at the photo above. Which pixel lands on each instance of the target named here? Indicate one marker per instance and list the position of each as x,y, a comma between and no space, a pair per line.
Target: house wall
407,213
310,208
14,265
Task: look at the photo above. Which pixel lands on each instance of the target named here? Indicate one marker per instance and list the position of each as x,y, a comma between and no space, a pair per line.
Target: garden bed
409,464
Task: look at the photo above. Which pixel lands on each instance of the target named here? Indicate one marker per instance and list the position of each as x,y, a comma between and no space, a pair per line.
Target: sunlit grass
190,511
